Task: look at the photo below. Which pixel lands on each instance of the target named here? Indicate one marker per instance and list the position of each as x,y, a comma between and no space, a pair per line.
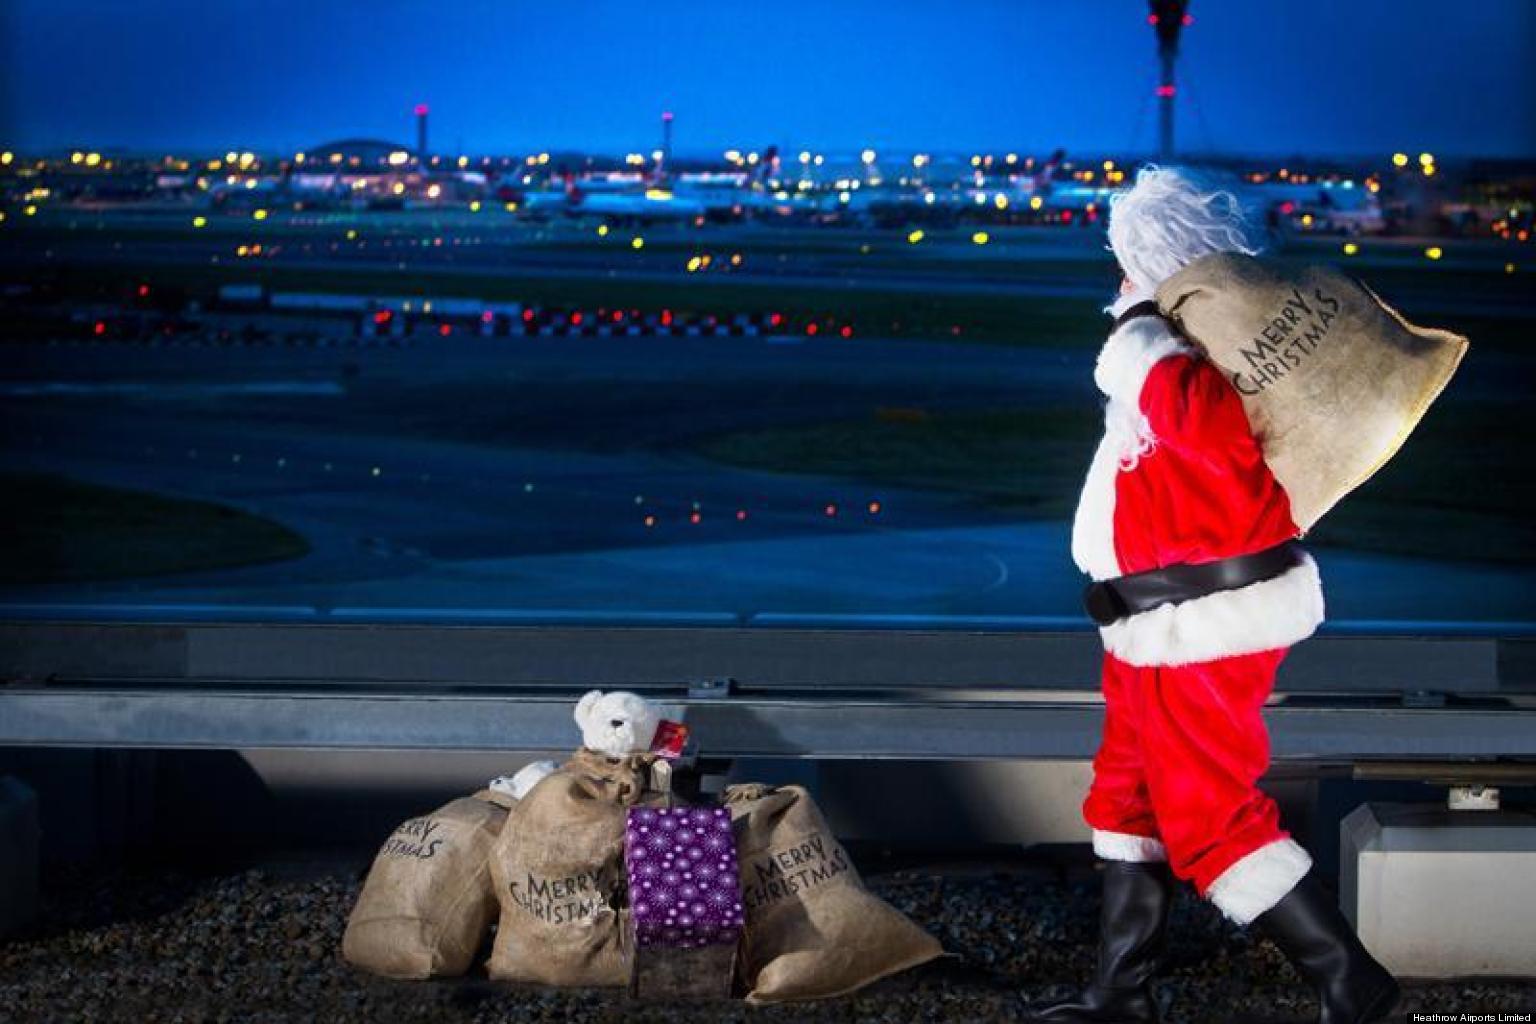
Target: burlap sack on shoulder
812,929
1333,380
559,874
428,903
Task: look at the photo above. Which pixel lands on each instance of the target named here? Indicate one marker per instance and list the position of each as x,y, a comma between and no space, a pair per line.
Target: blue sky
1299,77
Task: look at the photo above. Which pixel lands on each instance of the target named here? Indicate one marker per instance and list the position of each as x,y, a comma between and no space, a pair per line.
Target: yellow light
199,222
76,158
511,207
298,158
463,162
399,158
1012,158
1306,220
733,156
1000,201
975,161
246,159
259,215
693,264
1509,268
434,190
805,156
1350,248
1434,252
915,237
92,159
602,231
7,157
250,183
1426,159
398,188
243,250
1399,159
658,194
543,158
335,158
981,238
868,156
735,259
231,157
1035,202
1109,165
1429,170
919,160
2,216
30,211
637,242
474,206
351,234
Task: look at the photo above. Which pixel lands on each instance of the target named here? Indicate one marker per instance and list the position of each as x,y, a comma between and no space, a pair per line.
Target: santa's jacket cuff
1262,616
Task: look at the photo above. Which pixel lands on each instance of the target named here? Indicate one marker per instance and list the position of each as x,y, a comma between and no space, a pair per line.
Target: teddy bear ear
585,705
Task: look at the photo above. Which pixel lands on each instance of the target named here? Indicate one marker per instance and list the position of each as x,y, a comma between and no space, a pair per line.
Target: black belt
1111,600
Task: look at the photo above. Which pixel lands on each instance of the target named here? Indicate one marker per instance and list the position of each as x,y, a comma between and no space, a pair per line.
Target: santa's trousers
1176,779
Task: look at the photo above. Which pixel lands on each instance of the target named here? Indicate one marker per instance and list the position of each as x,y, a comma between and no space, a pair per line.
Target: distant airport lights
1434,252
981,238
1351,249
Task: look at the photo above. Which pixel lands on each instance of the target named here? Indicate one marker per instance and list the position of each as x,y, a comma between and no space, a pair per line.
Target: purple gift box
683,884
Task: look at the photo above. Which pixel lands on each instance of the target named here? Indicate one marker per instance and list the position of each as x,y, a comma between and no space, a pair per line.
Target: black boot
1132,927
1315,937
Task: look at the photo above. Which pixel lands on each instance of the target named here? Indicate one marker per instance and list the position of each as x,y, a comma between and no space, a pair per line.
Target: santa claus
1199,589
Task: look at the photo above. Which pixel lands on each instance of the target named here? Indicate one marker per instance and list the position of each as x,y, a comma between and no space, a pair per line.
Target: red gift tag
670,739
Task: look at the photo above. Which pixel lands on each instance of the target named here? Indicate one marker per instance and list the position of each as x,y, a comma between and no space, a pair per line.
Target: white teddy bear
614,723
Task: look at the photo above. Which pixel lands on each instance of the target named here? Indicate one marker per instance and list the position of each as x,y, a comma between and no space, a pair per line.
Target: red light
1066,216
487,317
741,514
618,315
666,318
1189,19
694,517
874,508
775,320
1151,19
811,329
143,291
575,319
527,316
830,510
382,316
421,110
1287,207
444,330
846,332
1165,91
100,328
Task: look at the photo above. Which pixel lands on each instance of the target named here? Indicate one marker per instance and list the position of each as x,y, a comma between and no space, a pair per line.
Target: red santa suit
1179,478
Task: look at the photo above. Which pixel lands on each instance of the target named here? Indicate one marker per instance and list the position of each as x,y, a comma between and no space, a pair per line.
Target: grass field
61,531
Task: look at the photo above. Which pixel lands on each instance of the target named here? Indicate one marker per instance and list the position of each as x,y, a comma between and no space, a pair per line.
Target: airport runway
411,527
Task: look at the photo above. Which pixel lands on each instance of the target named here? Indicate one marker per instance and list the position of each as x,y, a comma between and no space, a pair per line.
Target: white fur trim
1130,353
1258,881
1125,300
1093,526
1259,617
1126,847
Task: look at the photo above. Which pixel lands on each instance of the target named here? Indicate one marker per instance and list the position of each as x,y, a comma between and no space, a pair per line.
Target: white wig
1166,220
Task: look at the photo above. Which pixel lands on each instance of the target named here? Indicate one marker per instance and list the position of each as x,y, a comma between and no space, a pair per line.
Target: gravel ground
263,945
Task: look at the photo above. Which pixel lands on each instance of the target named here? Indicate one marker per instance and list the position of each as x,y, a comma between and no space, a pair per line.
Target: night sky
1301,76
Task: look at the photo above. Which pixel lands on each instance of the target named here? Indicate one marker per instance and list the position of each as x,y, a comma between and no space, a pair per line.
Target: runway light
434,190
259,215
915,236
695,518
1425,159
811,329
650,521
199,222
6,158
1434,252
1000,201
981,238
846,331
741,514
351,234
1350,248
1509,268
1036,202
445,330
830,510
474,206
874,508
637,242
693,264
602,231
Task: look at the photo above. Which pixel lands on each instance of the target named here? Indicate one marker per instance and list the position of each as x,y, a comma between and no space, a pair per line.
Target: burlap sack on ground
428,902
812,929
558,873
1333,380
